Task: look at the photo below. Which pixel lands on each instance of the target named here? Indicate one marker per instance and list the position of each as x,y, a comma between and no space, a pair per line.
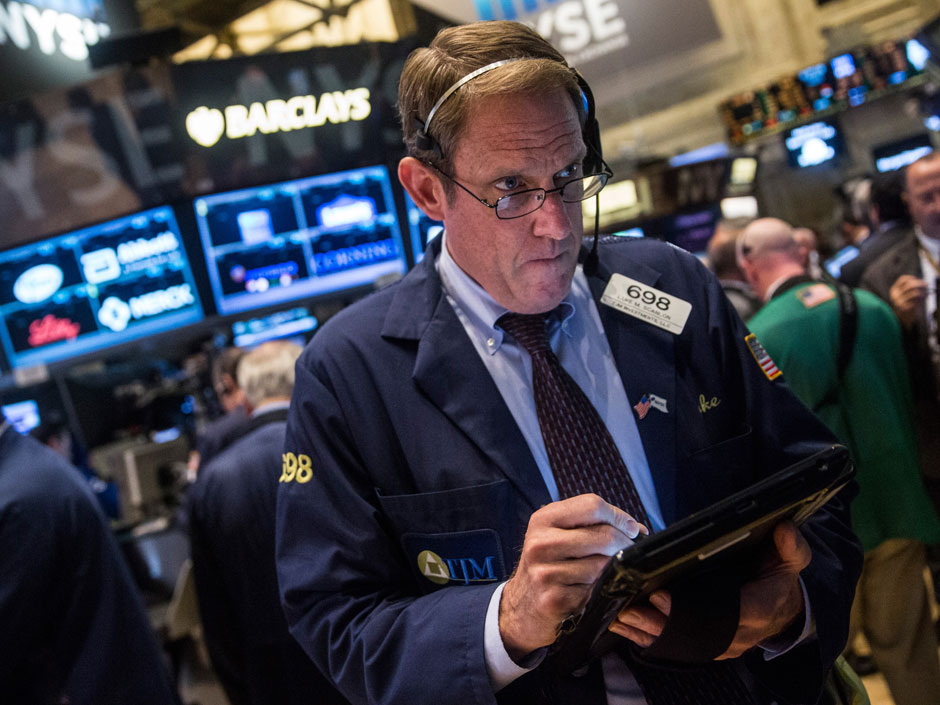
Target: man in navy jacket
74,629
421,557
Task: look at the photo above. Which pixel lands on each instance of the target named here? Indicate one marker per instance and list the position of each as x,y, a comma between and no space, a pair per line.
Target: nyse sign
583,30
24,24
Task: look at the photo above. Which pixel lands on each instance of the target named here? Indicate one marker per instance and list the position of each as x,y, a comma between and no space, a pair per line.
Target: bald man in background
868,405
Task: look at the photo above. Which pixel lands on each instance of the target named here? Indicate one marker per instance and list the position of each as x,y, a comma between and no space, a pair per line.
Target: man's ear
424,186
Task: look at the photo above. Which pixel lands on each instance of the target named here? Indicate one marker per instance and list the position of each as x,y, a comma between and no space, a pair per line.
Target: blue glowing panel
280,324
96,287
299,239
22,415
813,144
898,154
422,228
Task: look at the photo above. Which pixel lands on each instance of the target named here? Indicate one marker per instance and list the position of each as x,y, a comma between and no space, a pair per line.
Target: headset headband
469,77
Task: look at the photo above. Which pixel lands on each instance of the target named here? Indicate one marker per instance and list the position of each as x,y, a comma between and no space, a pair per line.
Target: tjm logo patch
459,558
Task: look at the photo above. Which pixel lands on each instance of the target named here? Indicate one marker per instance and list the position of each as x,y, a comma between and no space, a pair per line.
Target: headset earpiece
425,142
594,161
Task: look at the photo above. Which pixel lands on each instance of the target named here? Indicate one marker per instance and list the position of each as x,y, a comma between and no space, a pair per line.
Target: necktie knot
530,330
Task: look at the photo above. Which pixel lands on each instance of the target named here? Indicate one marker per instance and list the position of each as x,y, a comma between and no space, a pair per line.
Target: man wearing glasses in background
466,448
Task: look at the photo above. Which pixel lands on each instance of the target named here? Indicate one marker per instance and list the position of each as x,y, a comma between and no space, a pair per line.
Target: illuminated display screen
22,415
281,324
422,228
304,238
896,155
95,287
813,144
845,81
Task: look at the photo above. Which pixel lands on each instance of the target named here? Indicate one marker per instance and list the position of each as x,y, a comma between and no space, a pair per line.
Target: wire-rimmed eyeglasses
520,203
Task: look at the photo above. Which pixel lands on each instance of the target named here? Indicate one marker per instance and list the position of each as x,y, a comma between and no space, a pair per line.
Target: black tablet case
718,538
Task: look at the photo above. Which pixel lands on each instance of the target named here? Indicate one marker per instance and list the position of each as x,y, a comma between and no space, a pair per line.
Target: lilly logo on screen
38,283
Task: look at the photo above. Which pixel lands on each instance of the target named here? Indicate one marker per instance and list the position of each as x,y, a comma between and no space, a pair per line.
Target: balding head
768,251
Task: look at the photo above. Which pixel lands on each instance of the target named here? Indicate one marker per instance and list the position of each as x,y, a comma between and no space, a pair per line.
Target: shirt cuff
499,664
782,643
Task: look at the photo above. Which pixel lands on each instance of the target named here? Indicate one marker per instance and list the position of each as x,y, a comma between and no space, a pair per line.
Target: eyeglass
520,203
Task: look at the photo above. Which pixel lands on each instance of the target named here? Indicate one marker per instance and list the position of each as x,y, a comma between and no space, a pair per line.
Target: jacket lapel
449,371
645,358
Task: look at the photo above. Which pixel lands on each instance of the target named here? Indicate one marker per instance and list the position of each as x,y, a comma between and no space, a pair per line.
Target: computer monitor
305,238
292,324
421,228
145,476
813,144
899,153
96,287
22,415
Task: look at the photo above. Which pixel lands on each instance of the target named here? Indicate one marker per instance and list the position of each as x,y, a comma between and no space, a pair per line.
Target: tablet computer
727,531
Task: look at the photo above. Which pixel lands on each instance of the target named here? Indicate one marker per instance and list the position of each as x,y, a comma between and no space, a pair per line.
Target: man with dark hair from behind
73,628
232,530
889,221
225,429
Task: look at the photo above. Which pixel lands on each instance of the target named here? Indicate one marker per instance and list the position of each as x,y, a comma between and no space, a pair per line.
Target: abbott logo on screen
207,125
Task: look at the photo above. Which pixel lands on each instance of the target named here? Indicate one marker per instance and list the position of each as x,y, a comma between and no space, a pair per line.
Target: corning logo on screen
464,570
38,283
206,125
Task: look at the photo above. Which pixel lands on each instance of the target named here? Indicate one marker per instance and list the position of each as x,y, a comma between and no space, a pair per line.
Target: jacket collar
448,370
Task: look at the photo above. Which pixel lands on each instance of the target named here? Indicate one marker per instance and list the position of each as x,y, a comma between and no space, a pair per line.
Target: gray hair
267,372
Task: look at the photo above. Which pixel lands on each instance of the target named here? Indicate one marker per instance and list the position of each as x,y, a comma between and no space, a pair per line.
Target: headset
590,133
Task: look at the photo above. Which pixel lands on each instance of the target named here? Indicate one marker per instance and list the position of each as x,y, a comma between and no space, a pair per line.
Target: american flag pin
642,407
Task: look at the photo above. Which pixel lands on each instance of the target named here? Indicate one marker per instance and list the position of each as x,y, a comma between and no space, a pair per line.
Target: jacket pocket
463,536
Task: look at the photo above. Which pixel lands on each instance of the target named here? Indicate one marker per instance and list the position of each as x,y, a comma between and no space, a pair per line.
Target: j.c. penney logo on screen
206,125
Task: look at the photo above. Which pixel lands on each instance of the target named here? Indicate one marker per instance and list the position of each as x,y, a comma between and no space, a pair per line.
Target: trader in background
905,276
231,524
73,627
466,448
889,220
840,351
222,431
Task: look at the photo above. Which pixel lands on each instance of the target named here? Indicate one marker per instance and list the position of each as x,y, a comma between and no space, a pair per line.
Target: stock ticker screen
299,239
845,81
96,287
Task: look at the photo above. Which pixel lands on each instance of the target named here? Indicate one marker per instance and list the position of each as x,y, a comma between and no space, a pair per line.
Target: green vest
872,414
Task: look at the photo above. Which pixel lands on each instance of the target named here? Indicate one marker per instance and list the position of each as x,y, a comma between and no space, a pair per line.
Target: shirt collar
481,309
928,243
270,406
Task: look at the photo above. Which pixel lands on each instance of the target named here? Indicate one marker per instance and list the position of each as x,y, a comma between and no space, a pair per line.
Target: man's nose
553,219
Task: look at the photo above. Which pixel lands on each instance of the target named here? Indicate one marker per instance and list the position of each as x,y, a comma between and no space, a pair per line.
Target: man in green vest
863,394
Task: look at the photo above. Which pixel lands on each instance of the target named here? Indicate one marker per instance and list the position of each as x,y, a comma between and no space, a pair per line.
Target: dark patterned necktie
584,458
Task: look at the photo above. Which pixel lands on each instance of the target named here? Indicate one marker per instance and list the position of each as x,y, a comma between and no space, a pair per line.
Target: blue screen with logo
299,239
423,229
95,287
